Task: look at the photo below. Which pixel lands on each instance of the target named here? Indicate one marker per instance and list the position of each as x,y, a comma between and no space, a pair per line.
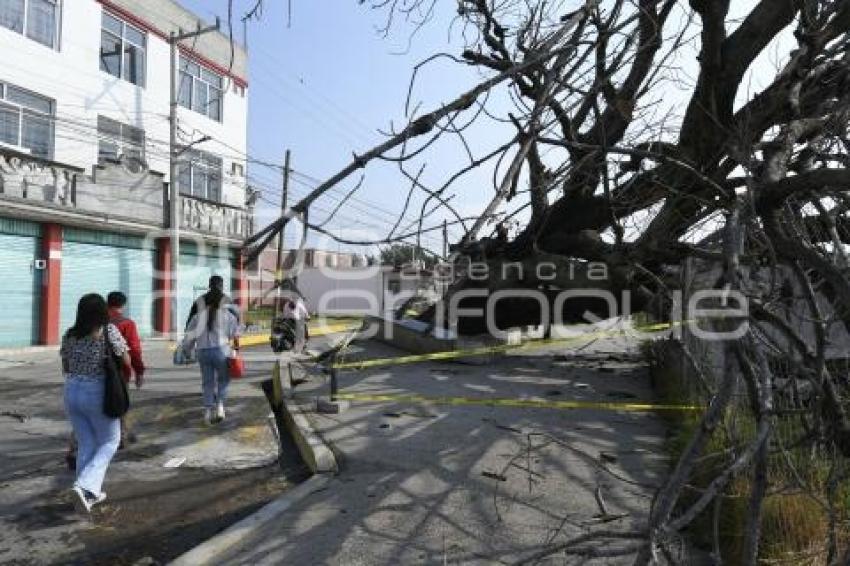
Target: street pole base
331,407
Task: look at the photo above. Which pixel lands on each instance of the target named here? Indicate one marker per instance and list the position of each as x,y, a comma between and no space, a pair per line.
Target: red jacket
128,330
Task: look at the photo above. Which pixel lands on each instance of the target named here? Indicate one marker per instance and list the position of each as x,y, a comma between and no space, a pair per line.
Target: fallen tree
601,166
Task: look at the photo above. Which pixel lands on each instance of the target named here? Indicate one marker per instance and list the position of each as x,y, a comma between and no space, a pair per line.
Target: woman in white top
214,332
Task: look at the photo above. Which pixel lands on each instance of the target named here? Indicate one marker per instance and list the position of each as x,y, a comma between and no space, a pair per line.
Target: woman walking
85,347
211,331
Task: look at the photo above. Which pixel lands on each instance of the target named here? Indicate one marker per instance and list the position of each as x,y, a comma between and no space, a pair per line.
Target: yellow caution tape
500,348
508,402
260,339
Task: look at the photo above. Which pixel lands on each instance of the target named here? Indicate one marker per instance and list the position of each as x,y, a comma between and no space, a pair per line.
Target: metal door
89,267
193,278
19,297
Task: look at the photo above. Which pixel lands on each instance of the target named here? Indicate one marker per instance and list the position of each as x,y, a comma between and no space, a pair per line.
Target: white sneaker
219,412
98,499
81,502
208,414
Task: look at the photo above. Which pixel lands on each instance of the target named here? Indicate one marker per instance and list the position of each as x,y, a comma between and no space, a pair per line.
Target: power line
387,223
79,127
150,149
83,129
380,228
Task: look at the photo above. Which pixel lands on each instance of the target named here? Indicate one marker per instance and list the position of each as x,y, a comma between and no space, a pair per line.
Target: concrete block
328,407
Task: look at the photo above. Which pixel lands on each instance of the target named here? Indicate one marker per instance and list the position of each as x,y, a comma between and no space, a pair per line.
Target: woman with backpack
85,349
214,333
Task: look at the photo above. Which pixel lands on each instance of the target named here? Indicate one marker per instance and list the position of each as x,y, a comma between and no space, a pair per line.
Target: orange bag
236,366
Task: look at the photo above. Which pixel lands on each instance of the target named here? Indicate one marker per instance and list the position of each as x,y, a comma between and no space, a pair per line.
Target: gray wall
113,190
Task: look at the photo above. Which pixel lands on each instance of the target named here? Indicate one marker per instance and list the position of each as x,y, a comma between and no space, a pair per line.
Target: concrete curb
212,551
318,457
316,454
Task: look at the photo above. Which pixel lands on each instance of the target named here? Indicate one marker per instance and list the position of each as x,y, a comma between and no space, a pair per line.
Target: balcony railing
215,218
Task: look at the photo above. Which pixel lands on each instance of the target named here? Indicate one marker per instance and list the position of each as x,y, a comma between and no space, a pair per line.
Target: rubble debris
19,416
494,476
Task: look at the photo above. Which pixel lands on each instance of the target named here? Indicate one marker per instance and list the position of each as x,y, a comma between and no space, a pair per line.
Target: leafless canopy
644,132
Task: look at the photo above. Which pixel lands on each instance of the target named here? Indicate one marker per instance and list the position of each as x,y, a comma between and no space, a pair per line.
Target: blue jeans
97,435
214,376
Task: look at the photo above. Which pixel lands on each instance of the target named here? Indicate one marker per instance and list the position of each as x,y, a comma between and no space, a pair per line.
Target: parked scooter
282,337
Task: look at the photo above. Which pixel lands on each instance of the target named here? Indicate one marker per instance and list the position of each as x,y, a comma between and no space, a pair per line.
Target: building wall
342,291
166,14
337,291
72,225
71,76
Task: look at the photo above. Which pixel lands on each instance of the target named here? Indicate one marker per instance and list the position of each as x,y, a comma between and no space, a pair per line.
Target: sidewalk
252,338
432,483
227,471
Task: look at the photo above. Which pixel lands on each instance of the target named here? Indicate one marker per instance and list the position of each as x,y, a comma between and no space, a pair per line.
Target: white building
91,79
84,157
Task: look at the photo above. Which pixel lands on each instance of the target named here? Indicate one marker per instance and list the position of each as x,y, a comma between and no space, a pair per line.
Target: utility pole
174,192
278,279
445,240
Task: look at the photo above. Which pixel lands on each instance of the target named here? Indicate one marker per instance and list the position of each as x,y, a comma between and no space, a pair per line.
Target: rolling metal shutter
20,246
194,274
100,262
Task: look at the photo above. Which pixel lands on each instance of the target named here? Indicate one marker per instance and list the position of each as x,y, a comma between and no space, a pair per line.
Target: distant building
84,160
260,274
337,283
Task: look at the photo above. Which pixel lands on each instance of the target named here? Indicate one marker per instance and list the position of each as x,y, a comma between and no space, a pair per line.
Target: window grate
200,89
199,175
35,19
122,50
118,140
26,120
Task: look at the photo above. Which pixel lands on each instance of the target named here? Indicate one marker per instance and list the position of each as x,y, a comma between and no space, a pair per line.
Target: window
26,120
200,89
237,169
199,175
35,19
122,50
117,140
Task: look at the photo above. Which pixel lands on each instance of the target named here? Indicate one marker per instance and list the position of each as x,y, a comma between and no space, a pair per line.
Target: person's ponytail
213,302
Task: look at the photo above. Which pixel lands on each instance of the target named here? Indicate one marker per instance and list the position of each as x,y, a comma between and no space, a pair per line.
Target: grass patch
795,525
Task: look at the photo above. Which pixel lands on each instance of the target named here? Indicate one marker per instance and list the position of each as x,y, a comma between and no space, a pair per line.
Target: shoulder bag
116,397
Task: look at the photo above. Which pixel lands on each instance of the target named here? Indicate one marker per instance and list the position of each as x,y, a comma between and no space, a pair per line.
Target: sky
323,80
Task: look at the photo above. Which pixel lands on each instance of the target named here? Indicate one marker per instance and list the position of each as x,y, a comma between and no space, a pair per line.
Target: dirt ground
206,504
151,522
152,514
